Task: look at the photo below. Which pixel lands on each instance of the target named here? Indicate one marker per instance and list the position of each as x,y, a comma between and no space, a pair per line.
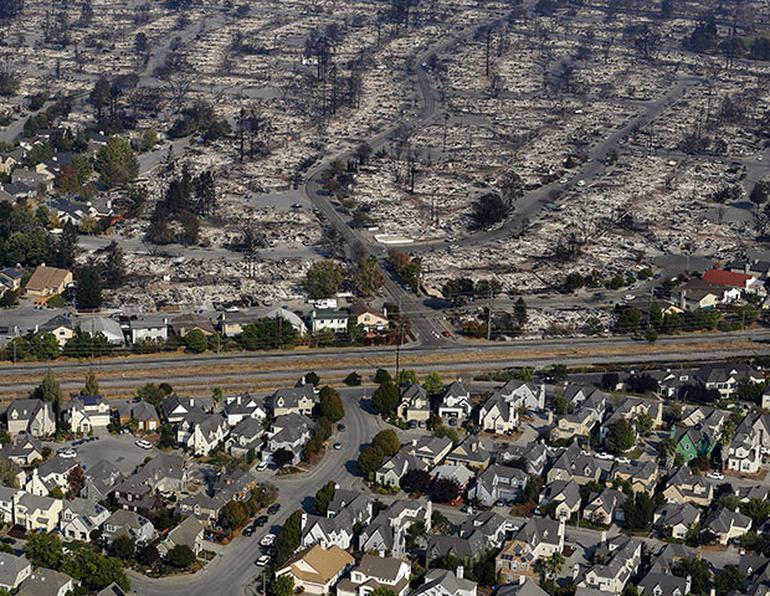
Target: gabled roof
318,565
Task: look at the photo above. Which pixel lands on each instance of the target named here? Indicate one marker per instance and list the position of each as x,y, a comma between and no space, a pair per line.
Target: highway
263,371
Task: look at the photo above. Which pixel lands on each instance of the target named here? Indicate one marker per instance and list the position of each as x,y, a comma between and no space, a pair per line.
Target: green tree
532,489
699,573
406,377
123,547
638,511
387,442
151,393
415,481
729,580
323,279
289,539
116,162
561,405
369,461
382,376
89,287
181,556
629,320
93,570
114,267
367,277
353,379
644,423
621,437
281,586
383,592
8,472
758,510
323,497
520,312
44,346
386,398
433,383
331,405
49,390
44,550
196,341
91,386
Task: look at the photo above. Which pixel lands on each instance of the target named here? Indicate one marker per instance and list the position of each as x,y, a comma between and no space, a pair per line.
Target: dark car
7,540
341,427
260,521
274,508
248,531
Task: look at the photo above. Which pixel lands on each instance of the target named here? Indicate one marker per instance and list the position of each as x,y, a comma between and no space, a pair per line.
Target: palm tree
554,564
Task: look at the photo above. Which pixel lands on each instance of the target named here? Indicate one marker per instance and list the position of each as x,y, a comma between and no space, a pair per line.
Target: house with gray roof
726,525
80,517
414,404
674,519
49,475
46,582
242,406
532,456
430,450
100,480
473,452
109,328
245,437
7,499
23,450
190,533
563,496
498,483
176,408
13,570
440,582
32,416
289,432
605,507
393,470
455,403
295,400
124,522
523,394
664,584
376,573
498,415
624,555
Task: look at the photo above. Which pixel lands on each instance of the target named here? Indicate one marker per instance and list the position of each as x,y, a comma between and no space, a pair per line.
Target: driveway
119,450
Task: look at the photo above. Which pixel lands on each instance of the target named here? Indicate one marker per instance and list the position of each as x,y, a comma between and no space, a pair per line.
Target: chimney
460,573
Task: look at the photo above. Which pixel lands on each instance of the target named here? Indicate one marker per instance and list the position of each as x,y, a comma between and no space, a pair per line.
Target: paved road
231,572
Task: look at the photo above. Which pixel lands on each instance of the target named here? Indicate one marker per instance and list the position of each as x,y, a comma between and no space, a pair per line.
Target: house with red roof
732,279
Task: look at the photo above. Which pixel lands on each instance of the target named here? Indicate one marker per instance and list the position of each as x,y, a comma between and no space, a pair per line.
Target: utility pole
399,339
489,315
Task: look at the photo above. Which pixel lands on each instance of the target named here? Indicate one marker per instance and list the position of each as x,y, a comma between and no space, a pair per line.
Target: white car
715,476
143,444
262,561
563,181
262,466
68,453
764,450
267,540
581,182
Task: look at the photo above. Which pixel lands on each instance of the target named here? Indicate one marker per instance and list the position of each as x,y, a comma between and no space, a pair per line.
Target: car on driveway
274,508
262,466
143,444
267,540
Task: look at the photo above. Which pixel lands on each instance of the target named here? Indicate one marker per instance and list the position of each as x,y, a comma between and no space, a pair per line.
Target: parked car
274,508
68,453
143,444
715,476
261,520
267,540
341,427
262,466
262,561
248,531
337,445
